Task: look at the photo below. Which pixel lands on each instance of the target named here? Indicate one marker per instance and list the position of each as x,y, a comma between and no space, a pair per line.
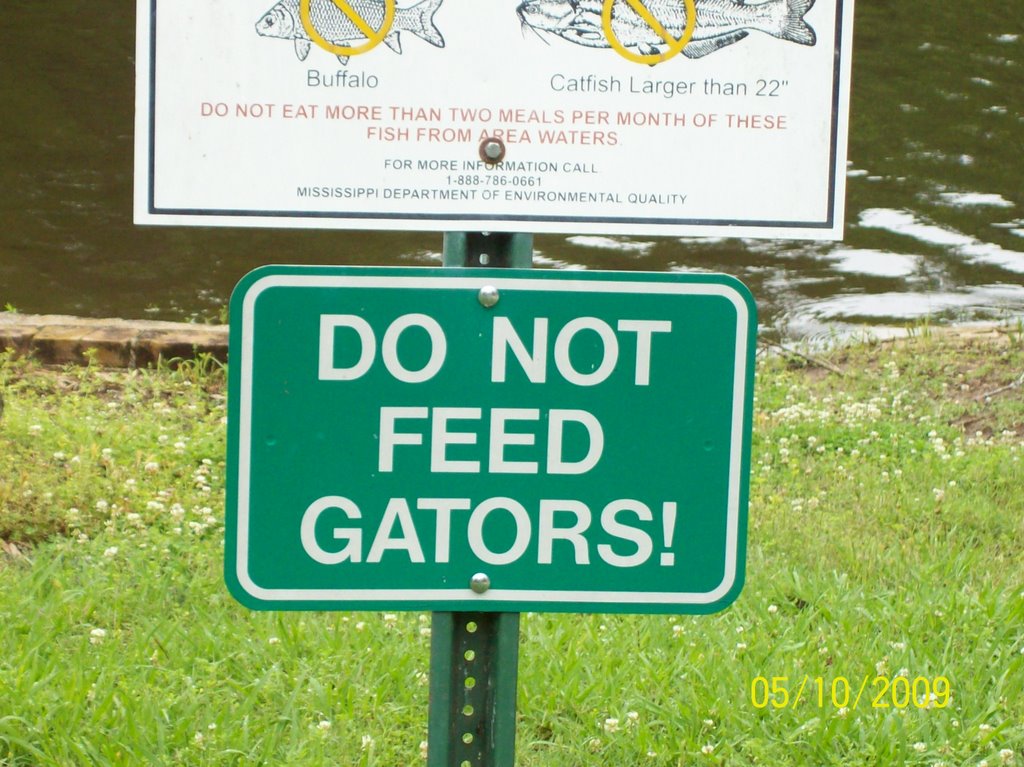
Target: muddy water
935,201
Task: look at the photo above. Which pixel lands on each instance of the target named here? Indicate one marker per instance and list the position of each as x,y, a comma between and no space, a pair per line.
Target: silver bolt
492,149
488,296
480,583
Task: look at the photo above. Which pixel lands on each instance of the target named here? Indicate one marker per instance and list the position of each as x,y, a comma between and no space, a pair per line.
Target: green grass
886,527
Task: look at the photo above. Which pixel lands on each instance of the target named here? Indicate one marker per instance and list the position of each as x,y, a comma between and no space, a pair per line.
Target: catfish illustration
336,26
719,22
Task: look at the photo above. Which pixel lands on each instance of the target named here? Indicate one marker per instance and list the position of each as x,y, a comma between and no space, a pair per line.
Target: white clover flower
390,618
904,672
425,631
323,725
843,712
707,749
920,747
677,630
151,467
985,728
198,738
424,749
273,640
633,716
110,552
709,722
97,635
772,609
741,646
1006,755
366,741
611,724
360,625
60,455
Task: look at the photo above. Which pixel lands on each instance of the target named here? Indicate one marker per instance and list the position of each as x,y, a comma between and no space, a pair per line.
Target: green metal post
474,665
474,656
492,249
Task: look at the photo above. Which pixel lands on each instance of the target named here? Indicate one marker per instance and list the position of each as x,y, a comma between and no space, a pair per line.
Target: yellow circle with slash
674,45
373,36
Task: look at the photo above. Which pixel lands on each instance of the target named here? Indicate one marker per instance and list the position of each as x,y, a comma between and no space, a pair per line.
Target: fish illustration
336,26
719,22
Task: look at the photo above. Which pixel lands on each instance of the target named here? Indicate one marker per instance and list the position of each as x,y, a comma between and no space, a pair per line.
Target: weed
884,545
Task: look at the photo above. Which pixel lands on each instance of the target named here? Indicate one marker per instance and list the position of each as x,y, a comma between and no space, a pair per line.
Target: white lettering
556,425
500,439
307,531
505,337
368,347
644,329
396,511
440,438
547,532
476,527
443,524
389,437
438,348
612,526
609,355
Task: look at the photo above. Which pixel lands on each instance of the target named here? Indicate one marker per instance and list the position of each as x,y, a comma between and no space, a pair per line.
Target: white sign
673,117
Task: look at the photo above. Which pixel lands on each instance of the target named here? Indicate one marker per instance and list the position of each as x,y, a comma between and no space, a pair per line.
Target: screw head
488,296
480,583
492,150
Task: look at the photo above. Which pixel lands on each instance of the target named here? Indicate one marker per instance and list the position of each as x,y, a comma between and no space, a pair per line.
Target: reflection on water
935,201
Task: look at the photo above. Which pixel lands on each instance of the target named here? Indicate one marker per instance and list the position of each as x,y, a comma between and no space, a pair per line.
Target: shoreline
61,339
58,339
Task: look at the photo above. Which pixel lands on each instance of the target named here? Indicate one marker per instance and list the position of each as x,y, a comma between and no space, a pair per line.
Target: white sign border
495,595
146,211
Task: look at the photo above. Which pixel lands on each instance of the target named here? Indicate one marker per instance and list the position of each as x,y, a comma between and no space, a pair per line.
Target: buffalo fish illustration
336,26
719,22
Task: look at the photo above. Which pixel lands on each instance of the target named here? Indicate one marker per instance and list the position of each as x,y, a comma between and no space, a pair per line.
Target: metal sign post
474,656
474,664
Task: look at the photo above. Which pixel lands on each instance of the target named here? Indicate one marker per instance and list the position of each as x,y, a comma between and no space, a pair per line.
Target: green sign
483,439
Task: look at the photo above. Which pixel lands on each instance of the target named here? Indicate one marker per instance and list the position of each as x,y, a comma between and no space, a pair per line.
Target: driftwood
817,361
1001,389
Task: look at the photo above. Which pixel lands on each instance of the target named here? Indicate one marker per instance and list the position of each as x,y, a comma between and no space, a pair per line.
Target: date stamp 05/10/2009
899,692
